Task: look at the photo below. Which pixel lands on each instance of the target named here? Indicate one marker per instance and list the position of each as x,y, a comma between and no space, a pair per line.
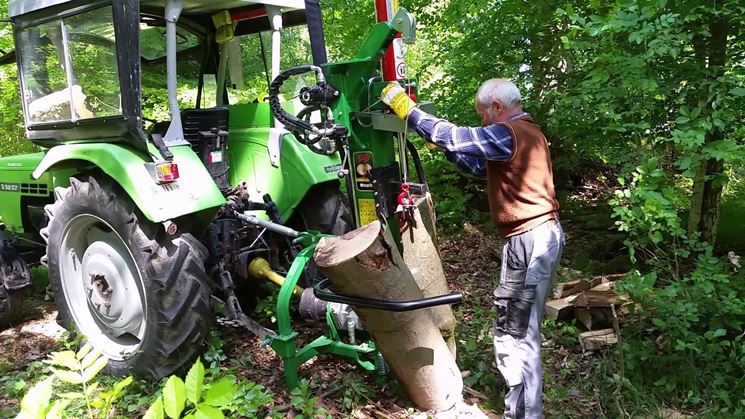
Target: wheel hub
103,287
99,294
107,279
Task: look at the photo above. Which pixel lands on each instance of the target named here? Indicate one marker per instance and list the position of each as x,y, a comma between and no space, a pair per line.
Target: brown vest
521,189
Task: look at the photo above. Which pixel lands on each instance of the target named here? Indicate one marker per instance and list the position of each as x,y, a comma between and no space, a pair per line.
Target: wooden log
423,259
605,286
595,318
595,299
565,289
366,263
596,339
560,309
611,277
427,211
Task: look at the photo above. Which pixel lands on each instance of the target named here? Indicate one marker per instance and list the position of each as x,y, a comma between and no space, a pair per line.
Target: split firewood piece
610,277
605,286
596,339
366,263
591,298
423,259
595,318
560,309
565,289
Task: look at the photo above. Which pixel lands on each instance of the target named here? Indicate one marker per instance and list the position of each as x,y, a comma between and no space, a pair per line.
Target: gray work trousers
529,261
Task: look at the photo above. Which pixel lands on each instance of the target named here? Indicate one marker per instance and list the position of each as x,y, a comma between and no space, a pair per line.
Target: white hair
501,90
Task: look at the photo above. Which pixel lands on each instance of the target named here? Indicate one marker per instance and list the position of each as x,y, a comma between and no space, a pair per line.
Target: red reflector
166,172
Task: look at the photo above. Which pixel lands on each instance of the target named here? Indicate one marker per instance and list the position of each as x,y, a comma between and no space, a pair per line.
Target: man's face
489,114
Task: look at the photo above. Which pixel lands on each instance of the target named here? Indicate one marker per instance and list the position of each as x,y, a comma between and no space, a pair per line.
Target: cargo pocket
508,358
513,303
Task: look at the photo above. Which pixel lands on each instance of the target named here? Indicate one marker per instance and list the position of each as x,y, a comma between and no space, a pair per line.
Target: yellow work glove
396,97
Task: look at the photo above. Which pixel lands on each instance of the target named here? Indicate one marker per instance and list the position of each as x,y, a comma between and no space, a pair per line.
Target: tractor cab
94,71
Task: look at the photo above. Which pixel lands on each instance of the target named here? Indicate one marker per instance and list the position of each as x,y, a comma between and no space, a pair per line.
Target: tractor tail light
166,172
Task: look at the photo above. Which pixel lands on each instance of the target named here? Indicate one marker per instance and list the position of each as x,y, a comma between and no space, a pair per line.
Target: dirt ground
471,263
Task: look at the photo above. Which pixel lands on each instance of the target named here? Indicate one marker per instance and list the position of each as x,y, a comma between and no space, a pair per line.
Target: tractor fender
192,192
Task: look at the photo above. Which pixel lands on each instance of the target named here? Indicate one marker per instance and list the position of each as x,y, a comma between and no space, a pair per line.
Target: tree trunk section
366,263
709,181
423,260
706,199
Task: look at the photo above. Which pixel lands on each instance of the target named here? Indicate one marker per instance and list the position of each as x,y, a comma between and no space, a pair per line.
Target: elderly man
512,153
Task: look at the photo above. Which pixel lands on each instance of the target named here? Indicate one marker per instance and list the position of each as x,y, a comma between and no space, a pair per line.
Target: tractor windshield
69,68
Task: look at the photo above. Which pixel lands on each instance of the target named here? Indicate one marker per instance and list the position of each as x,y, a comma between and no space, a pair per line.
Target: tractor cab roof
22,7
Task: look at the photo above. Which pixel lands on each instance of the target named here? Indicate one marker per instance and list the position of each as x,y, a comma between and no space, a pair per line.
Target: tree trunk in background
709,181
366,263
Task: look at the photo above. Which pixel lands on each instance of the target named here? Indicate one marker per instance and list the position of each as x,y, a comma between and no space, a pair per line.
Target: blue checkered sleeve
468,147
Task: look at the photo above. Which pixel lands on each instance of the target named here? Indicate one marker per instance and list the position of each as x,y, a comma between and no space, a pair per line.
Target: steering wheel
317,144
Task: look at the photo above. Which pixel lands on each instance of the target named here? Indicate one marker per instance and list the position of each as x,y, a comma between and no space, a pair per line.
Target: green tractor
151,208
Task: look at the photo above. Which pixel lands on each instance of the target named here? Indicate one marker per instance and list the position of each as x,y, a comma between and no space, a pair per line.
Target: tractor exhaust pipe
314,19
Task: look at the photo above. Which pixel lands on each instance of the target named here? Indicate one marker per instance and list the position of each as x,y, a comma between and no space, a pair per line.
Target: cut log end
337,250
596,339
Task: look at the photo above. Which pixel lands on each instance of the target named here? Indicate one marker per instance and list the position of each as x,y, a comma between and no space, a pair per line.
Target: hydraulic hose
283,116
417,161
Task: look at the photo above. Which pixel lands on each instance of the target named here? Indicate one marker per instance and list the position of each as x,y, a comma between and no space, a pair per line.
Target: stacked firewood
594,302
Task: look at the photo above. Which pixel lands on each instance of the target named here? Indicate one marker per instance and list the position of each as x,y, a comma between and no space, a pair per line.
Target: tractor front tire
122,284
10,306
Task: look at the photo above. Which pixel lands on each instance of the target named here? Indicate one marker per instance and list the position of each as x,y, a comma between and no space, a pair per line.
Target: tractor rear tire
122,284
324,209
10,306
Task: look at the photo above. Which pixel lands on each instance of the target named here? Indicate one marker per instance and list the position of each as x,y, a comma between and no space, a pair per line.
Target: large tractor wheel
137,295
10,306
323,209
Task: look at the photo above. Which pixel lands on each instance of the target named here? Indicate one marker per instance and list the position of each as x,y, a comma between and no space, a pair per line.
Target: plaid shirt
467,147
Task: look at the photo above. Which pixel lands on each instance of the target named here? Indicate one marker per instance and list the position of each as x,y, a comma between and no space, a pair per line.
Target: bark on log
423,259
366,263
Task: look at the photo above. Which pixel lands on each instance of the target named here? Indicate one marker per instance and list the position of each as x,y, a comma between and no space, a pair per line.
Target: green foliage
305,403
692,301
214,354
355,391
207,396
696,324
475,349
266,307
649,210
78,394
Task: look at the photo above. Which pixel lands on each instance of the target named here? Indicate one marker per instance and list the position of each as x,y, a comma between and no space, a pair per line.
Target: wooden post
366,263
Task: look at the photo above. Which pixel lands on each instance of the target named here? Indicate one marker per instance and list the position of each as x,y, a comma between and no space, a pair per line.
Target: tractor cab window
69,69
190,54
250,62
